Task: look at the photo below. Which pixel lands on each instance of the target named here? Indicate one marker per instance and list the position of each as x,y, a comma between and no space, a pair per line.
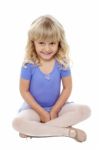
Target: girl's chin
46,58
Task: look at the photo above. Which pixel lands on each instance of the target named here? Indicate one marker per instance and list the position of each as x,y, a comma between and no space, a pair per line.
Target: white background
81,22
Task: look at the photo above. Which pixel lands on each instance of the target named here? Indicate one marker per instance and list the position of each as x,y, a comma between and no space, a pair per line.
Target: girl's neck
47,62
47,66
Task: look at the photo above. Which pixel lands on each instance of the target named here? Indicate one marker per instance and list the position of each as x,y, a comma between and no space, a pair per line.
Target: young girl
46,111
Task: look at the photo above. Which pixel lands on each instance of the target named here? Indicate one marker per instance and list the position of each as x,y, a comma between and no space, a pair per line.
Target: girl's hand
53,115
45,117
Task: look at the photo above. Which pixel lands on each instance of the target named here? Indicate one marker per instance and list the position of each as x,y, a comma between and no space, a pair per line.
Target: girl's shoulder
28,64
64,71
27,70
61,66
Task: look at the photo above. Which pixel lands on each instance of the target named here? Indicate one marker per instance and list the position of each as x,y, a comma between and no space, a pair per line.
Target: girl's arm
67,87
24,90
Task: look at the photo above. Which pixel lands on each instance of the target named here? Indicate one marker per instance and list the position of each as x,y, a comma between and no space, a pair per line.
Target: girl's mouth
47,53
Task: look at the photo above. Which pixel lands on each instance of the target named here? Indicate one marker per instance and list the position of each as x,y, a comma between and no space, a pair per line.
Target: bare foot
77,134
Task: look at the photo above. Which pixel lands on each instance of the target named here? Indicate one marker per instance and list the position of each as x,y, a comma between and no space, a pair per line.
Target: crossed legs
28,121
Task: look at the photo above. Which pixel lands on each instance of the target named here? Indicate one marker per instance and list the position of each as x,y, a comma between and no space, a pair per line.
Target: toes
81,136
77,134
23,135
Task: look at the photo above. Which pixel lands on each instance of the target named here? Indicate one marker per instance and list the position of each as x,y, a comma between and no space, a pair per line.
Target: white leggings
28,121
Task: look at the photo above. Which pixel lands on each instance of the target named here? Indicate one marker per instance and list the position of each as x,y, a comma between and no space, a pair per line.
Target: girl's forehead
46,40
48,35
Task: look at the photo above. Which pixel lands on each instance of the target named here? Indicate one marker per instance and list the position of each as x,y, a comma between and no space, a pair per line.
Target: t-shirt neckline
47,74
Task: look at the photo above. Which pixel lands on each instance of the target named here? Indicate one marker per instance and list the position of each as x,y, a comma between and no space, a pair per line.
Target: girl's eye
52,43
41,43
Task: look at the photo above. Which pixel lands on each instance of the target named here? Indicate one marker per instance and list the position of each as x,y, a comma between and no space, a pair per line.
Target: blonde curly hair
47,28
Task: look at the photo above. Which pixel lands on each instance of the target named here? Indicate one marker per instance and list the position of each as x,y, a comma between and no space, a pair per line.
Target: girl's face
46,49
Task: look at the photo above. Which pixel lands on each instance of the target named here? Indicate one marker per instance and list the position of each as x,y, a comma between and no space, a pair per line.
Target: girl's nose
47,47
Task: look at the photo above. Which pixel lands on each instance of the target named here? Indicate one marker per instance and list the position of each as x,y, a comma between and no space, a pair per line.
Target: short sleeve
26,71
65,72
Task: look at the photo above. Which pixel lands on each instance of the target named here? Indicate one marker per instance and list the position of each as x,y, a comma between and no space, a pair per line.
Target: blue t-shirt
44,88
